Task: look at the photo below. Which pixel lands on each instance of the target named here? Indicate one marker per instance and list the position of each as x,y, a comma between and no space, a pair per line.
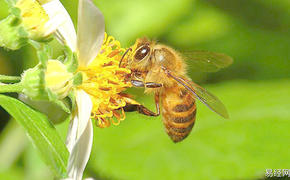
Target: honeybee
162,70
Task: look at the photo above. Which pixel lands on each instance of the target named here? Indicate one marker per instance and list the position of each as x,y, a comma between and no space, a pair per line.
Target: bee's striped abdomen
179,110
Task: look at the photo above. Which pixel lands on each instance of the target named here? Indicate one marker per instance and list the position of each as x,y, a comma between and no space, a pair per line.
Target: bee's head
140,58
146,54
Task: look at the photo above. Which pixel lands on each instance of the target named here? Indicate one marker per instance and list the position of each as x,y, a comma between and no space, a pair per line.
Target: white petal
71,137
80,136
67,33
80,121
91,29
53,24
80,154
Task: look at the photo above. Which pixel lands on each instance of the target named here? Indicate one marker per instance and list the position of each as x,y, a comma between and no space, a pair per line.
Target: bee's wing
203,95
209,100
205,61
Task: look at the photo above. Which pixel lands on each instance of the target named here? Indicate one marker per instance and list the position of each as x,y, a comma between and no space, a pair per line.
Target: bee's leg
142,109
138,83
156,98
153,85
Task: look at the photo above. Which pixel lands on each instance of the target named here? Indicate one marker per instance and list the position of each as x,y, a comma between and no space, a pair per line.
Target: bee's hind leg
135,106
138,83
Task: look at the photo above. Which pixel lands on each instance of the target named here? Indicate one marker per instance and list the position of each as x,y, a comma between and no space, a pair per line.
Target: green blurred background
255,89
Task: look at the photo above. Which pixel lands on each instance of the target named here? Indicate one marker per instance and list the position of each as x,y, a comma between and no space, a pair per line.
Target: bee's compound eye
142,52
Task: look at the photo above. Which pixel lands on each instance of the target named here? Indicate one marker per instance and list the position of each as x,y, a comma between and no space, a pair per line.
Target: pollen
34,18
104,81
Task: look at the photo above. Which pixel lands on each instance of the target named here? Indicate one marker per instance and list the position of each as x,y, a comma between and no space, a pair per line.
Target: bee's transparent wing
203,95
209,100
205,61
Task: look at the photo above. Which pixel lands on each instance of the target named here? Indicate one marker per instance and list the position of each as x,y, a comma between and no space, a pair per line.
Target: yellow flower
99,96
28,19
104,80
36,21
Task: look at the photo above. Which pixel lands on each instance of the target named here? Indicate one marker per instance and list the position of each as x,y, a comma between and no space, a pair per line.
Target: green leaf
10,152
42,133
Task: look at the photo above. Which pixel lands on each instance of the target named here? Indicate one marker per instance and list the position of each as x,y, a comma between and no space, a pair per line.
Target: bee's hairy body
178,106
178,111
162,71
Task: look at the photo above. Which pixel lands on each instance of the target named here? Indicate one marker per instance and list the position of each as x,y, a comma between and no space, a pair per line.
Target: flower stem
7,88
9,79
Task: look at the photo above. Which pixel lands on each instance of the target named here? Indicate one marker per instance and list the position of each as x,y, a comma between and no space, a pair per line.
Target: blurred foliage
254,139
255,89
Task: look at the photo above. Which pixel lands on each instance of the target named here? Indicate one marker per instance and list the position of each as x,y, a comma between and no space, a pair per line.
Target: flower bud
33,81
43,84
58,79
28,20
34,19
47,88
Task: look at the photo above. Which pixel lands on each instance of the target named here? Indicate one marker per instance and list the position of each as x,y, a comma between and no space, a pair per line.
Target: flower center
104,81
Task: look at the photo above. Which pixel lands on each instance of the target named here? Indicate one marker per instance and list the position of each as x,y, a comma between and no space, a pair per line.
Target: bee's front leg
138,83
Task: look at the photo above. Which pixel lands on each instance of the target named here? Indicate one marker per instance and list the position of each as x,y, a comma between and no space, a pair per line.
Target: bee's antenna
129,49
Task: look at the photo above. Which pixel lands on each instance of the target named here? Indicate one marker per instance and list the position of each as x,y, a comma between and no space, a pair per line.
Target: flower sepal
70,61
12,34
33,81
77,79
40,85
